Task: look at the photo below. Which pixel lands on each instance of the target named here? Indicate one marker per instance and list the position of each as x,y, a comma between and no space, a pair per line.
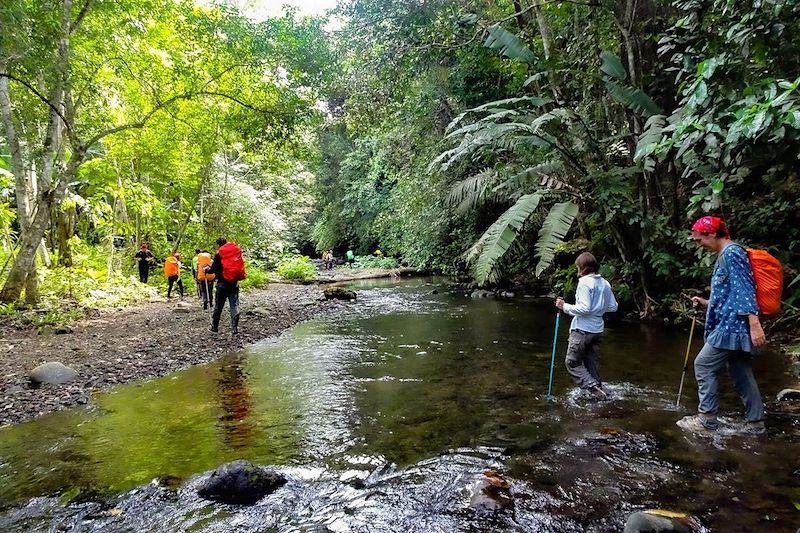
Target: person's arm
743,286
582,301
216,266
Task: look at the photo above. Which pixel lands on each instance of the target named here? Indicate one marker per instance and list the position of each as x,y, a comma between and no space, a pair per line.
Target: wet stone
339,293
648,522
788,394
240,482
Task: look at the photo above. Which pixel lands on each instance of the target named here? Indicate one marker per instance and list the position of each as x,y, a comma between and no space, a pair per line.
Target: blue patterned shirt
733,298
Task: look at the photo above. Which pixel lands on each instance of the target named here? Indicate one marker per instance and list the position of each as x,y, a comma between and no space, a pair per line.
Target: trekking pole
686,360
553,358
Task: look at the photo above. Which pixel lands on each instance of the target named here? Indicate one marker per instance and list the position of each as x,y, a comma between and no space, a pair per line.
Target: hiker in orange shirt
172,271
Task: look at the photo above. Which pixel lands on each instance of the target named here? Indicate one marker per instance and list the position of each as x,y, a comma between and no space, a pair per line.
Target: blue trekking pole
553,358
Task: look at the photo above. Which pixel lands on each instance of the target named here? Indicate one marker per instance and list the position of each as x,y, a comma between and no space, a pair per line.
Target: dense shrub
297,267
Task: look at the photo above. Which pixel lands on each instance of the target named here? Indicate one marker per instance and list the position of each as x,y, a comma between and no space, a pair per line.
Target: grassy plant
297,267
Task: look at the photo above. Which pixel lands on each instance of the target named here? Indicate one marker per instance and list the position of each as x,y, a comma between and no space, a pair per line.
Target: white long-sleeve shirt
593,298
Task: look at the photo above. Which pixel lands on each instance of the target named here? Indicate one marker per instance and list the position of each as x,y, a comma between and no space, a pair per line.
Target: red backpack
768,273
232,262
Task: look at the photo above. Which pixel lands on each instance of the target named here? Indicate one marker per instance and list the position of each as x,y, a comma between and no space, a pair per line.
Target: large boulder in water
657,521
52,373
240,482
339,293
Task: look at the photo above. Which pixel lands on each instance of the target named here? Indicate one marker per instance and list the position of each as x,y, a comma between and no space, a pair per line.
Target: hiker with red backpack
228,267
732,327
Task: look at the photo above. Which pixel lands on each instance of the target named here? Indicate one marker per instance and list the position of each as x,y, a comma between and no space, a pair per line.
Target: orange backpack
171,267
768,273
204,260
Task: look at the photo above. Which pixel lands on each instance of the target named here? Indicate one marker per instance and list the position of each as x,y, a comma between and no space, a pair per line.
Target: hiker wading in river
732,330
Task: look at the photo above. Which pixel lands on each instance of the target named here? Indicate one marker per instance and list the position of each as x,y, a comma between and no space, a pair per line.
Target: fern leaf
552,233
495,241
509,45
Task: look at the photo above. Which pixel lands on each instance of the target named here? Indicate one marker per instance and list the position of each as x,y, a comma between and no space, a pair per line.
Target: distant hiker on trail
228,265
205,280
144,258
593,298
732,330
172,271
194,271
328,259
378,252
350,258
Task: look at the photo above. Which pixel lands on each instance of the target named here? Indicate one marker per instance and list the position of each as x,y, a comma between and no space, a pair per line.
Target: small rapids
390,416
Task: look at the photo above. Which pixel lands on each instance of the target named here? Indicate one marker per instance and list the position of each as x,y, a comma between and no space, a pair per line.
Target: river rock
240,482
482,293
649,522
339,293
52,373
64,330
788,394
491,492
259,311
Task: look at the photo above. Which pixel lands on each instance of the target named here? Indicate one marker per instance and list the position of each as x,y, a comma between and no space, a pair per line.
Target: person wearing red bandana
732,330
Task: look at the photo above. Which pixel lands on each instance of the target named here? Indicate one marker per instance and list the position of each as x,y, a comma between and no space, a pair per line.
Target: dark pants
206,292
583,358
230,292
144,273
171,281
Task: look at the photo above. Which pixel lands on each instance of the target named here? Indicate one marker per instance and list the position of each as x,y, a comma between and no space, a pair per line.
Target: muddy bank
139,343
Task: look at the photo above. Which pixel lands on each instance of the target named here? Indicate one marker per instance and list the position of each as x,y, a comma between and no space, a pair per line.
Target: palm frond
648,141
552,233
486,253
467,193
611,66
614,77
533,101
544,175
632,98
509,45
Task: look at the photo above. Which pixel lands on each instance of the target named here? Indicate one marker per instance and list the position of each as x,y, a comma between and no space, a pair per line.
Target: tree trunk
65,229
30,241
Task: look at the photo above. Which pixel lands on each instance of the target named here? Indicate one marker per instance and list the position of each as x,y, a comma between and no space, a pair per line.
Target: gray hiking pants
709,363
583,358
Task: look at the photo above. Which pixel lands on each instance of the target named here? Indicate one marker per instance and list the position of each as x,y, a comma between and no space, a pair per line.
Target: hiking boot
697,424
214,329
205,306
235,325
755,428
598,393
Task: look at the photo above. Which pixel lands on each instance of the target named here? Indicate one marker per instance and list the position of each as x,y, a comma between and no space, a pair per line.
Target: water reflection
384,414
233,395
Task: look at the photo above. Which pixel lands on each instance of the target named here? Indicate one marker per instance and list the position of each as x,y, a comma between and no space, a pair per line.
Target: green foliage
297,268
257,277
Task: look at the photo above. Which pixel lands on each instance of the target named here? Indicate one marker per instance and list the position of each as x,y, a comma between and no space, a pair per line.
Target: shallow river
384,416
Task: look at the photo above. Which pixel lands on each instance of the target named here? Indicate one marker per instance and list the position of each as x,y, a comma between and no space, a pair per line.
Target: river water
385,416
